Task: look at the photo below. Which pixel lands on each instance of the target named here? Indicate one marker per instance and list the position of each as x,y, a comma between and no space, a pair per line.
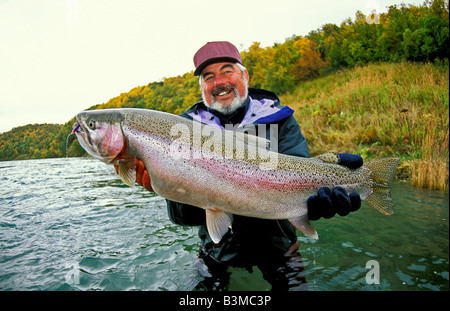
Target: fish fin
303,224
383,173
127,172
381,200
217,223
383,169
329,157
253,140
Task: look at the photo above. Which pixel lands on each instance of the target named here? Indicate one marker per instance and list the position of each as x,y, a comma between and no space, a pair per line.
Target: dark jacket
251,239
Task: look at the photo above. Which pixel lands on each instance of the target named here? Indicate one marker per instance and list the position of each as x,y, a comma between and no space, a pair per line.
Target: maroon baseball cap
213,52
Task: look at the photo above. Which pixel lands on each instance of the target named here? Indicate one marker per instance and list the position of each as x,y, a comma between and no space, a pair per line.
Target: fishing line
313,248
67,142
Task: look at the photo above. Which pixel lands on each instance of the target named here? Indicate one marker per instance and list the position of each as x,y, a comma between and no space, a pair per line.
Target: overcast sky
58,57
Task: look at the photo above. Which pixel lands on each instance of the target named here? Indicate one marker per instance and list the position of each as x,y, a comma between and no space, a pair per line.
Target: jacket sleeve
291,140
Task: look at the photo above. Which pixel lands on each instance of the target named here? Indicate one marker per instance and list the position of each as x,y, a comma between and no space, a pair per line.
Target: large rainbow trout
224,172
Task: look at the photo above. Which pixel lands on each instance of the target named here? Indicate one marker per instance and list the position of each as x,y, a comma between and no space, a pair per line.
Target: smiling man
224,86
271,245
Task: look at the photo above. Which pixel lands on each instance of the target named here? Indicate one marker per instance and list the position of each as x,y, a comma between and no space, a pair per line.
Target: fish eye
91,124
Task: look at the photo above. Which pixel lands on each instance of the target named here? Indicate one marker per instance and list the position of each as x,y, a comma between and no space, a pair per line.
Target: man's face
224,86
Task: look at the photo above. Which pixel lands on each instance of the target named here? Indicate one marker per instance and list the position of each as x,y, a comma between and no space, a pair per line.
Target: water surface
71,224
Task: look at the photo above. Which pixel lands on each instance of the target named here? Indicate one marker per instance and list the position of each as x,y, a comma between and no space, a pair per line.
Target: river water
70,224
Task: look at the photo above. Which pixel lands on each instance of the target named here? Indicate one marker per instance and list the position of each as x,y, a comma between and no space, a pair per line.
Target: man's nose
219,80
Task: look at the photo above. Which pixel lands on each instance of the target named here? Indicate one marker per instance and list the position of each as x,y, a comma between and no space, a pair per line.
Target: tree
309,64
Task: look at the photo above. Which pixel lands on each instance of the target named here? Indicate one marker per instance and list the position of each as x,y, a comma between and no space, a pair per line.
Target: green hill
30,141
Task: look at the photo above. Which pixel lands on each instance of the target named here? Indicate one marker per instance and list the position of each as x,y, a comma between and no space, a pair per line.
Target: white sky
58,57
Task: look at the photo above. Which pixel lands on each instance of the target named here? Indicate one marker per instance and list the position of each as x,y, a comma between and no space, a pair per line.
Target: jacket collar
261,107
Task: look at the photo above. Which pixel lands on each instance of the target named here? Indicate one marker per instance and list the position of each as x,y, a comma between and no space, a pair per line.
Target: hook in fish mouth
75,128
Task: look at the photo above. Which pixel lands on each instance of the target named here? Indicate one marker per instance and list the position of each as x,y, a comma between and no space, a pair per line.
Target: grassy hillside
380,110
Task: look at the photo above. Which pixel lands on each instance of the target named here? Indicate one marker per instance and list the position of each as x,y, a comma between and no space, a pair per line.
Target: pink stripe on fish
248,175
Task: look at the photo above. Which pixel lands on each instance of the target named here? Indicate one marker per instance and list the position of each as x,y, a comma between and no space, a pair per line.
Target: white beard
237,102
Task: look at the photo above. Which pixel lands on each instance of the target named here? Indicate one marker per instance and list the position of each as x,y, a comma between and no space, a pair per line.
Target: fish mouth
80,132
75,128
84,138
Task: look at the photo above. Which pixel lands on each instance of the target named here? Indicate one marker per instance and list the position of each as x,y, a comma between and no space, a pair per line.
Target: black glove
350,160
328,201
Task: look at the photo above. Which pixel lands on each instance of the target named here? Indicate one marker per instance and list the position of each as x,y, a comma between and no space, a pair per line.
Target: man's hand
328,201
142,177
352,161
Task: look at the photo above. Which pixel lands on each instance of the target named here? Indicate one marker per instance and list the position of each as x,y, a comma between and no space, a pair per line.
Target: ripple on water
61,218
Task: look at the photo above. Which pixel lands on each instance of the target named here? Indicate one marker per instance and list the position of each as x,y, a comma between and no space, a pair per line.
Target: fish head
99,132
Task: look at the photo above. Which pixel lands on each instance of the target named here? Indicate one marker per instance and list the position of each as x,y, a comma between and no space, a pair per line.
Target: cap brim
210,61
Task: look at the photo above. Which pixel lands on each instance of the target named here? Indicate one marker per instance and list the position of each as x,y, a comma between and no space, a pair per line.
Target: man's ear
246,75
